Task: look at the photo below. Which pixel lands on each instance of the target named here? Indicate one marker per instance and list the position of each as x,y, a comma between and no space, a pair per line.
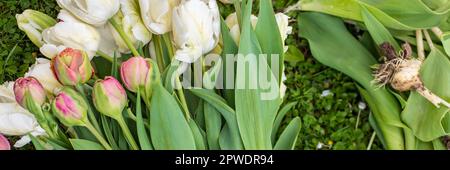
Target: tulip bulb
402,72
33,23
4,143
109,97
72,67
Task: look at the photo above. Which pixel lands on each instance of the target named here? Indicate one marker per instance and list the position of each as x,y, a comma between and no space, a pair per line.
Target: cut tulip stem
182,98
127,133
237,7
159,52
437,31
169,45
420,46
125,38
97,135
90,111
105,56
430,96
429,41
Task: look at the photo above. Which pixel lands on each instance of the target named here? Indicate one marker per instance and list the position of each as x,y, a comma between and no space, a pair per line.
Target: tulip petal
4,143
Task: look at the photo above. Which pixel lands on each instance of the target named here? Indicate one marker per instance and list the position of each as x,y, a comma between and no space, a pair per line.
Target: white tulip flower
15,120
94,12
42,71
33,23
283,25
196,28
233,25
130,20
282,22
157,14
70,32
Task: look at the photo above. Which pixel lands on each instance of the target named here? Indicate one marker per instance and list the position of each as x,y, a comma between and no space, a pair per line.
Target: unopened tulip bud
109,97
29,93
72,67
135,73
4,143
33,23
70,108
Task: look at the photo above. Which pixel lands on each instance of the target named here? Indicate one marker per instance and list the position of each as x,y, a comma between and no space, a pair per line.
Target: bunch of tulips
119,76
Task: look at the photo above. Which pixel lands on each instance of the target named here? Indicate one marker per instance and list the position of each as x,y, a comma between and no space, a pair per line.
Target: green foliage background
330,120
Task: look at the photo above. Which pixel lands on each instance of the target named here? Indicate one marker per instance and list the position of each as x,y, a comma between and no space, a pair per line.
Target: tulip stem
182,98
237,7
124,36
159,52
90,111
127,133
105,56
169,44
97,135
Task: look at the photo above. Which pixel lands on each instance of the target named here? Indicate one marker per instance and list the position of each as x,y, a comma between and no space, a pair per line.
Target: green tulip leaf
424,119
280,116
394,14
213,124
230,131
289,136
81,144
169,129
256,108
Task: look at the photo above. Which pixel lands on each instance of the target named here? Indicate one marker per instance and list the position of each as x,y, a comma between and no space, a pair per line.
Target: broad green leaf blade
395,14
378,32
424,119
228,65
289,136
226,140
200,139
213,124
281,114
38,144
373,122
230,132
294,55
332,45
445,39
169,129
256,107
56,145
439,145
108,133
271,44
144,140
81,144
